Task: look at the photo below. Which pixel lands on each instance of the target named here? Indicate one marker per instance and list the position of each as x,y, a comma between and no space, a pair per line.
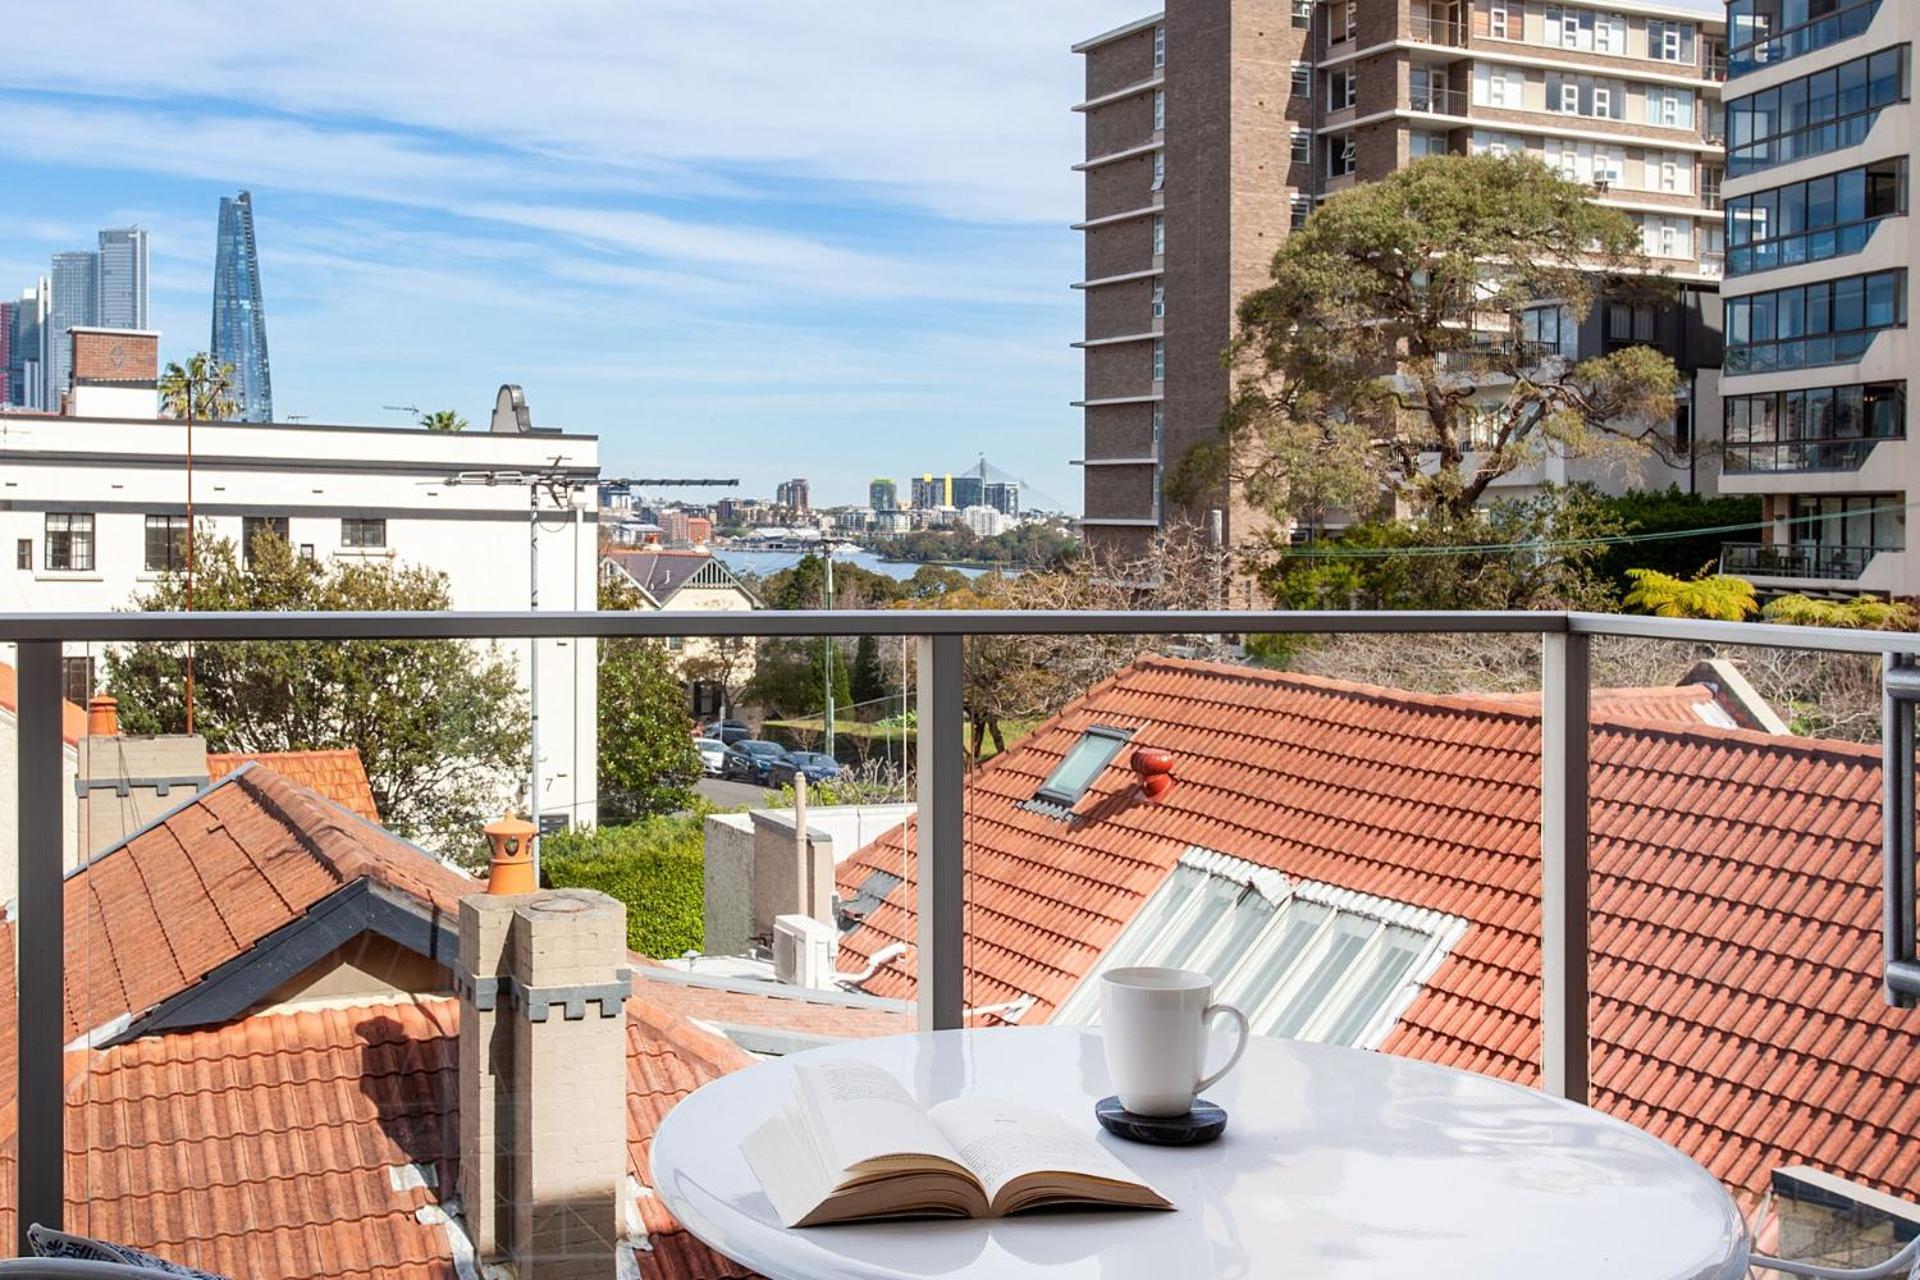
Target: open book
853,1144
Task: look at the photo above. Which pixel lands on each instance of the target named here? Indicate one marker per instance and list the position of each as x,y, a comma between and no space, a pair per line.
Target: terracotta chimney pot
103,716
511,870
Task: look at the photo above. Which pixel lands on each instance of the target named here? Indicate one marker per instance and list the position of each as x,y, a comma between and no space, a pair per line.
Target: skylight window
1081,765
1301,959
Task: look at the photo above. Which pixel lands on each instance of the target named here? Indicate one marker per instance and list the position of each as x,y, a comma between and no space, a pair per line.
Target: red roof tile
1736,948
337,774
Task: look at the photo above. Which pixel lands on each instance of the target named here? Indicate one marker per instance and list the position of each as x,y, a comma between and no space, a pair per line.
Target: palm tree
203,389
1717,596
443,420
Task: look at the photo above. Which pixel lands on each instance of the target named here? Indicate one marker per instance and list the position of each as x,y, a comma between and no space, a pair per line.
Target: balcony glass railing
1812,246
1813,561
1763,457
283,971
1438,101
1773,48
1437,30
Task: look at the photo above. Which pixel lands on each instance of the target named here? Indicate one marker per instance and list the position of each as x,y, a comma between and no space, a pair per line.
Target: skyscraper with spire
239,318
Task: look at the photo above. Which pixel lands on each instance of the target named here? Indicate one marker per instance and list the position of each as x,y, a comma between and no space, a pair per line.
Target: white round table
1336,1164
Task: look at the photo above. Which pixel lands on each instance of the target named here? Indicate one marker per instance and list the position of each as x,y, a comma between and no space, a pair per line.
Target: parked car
713,755
750,760
816,765
728,731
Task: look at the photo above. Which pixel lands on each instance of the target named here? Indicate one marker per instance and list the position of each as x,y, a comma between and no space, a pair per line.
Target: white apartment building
1818,289
93,512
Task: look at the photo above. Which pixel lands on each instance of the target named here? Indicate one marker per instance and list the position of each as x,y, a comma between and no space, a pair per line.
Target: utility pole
828,642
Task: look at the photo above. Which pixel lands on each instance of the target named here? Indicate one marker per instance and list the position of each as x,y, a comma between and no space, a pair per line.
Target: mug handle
1206,1018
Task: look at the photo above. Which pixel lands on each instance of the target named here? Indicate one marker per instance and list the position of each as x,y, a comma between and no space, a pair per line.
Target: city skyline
239,311
898,279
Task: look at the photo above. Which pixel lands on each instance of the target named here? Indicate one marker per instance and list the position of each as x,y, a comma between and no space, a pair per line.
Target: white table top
1336,1164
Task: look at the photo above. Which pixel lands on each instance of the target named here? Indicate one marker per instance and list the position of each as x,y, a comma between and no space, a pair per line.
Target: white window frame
1159,301
1349,85
1302,77
1302,209
1569,98
1609,33
1301,146
1602,102
1353,18
1303,13
1159,47
1669,175
1159,109
1159,171
1570,28
1159,359
1497,20
1159,234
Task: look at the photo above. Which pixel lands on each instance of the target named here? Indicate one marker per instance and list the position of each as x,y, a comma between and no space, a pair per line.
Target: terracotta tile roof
718,1007
1677,704
324,1142
338,774
73,719
1736,893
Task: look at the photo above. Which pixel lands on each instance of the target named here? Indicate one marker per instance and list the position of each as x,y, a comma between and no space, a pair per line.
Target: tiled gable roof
661,572
1736,899
337,774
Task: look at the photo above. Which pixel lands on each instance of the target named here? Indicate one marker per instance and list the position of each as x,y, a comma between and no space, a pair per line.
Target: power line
1565,544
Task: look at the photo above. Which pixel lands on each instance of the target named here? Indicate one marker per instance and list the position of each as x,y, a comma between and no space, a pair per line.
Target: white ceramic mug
1155,1023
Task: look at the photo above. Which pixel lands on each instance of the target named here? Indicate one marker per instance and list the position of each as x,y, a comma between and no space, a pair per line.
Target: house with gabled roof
1361,865
678,581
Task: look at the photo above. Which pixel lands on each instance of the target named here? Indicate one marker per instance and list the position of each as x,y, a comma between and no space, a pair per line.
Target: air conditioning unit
803,951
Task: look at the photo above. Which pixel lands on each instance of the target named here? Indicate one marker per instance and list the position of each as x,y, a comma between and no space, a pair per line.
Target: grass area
656,866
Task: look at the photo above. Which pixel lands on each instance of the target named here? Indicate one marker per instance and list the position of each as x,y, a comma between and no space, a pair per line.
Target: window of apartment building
1303,14
166,549
1159,301
363,531
76,680
1671,108
1482,142
1497,20
1826,217
1302,145
1159,108
1343,89
1159,359
1630,322
69,541
1498,86
1586,96
1345,21
1670,41
23,553
252,527
1159,234
1816,429
1829,322
1815,115
1340,155
1767,32
1869,521
1551,327
1427,89
1571,28
1159,46
1159,170
1303,77
1666,237
1426,142
1302,209
1673,173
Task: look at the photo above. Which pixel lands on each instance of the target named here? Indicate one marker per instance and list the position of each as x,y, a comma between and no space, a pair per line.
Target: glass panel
1335,954
1370,997
1277,953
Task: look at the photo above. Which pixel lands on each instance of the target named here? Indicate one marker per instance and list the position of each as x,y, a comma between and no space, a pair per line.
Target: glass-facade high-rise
121,279
76,285
239,318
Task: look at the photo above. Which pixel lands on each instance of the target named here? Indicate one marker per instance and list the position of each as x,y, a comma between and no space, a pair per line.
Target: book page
1001,1141
854,1112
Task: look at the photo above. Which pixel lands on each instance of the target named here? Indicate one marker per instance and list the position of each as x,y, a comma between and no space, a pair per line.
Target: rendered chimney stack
543,1079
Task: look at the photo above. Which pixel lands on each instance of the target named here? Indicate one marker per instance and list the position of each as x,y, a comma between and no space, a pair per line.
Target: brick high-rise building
1213,129
1820,149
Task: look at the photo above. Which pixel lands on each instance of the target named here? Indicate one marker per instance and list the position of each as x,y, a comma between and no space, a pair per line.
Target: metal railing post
1899,689
1563,865
40,929
939,739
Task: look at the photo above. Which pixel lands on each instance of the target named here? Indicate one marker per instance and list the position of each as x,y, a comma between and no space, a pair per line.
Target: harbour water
762,563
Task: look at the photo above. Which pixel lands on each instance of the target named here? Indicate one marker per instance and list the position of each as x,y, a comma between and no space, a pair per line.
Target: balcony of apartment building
1839,437
1818,114
254,1030
1438,24
1827,542
1763,34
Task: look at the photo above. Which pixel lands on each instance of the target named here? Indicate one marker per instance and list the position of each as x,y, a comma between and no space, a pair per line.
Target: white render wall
122,470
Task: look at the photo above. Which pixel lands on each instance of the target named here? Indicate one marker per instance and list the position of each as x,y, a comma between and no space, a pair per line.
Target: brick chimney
543,980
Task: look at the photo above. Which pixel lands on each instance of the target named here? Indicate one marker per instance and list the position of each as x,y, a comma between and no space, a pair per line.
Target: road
731,795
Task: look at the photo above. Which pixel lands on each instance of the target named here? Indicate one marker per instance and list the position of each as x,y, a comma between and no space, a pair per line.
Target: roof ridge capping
1511,707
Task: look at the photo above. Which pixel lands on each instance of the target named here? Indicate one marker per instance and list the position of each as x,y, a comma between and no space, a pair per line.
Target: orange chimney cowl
1153,766
511,870
103,717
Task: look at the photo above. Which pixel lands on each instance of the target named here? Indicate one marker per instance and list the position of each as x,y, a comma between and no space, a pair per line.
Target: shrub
654,866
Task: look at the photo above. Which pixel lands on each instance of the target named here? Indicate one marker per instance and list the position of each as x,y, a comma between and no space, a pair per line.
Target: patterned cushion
58,1244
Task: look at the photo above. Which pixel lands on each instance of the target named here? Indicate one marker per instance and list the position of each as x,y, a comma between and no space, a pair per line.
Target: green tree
1669,511
1867,613
441,725
869,683
1395,312
443,420
648,764
202,389
1716,596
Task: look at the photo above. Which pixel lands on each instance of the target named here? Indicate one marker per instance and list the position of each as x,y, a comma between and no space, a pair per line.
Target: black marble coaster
1204,1123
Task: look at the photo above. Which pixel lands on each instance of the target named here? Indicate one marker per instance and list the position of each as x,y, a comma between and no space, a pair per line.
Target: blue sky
794,237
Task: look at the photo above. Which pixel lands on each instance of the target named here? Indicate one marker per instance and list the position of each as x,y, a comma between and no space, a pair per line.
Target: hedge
654,866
